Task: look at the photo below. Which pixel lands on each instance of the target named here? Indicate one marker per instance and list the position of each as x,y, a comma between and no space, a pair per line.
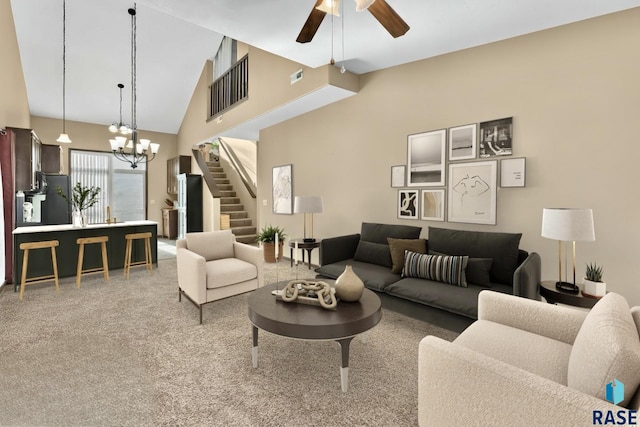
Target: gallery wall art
426,159
472,192
282,189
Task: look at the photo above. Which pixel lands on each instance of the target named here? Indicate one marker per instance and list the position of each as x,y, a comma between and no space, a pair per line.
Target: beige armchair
212,266
526,363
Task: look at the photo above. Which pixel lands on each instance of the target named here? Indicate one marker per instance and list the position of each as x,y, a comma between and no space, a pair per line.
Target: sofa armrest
339,248
192,274
527,277
253,255
552,321
458,386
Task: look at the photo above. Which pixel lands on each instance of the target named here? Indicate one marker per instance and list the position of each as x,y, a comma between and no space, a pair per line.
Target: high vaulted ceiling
175,37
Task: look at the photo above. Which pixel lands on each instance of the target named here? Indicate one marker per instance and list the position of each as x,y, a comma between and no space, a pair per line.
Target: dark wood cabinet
50,158
22,158
170,223
176,166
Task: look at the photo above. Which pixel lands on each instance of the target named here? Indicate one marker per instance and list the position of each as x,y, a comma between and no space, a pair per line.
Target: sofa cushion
447,269
375,277
373,246
211,244
229,271
501,247
455,299
529,351
607,347
397,248
478,270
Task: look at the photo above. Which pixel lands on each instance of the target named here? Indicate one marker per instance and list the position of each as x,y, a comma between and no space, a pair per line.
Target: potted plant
82,198
267,237
593,284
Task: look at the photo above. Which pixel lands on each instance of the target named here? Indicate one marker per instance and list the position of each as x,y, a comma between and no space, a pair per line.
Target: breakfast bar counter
67,251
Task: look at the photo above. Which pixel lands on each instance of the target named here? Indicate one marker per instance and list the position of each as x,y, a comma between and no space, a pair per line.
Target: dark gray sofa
505,268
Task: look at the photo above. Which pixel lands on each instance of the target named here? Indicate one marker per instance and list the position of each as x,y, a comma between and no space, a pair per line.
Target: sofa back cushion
373,246
501,247
211,244
607,347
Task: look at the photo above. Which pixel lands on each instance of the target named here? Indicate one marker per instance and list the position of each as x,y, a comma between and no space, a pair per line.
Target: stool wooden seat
105,263
147,252
26,247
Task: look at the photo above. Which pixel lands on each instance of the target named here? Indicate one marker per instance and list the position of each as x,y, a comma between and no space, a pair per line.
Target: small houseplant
81,198
593,284
267,237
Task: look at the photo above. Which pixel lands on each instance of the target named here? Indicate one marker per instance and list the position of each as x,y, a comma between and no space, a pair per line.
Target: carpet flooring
128,353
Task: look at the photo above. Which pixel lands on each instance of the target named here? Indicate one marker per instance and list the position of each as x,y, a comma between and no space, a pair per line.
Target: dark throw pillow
478,270
446,269
397,248
373,246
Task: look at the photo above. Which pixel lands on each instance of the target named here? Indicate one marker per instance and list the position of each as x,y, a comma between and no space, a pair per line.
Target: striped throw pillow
447,269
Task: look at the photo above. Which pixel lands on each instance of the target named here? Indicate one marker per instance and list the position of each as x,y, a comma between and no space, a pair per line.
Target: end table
308,246
553,296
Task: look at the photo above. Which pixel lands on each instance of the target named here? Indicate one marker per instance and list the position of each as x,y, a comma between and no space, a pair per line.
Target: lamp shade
64,138
568,224
308,204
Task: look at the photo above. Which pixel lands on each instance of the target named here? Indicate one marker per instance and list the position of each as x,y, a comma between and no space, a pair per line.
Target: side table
308,246
553,295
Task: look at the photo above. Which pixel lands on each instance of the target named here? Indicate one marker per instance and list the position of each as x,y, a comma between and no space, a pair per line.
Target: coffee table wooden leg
254,349
344,368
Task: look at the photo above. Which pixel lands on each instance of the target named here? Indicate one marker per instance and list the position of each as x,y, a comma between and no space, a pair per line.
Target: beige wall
14,105
87,136
574,97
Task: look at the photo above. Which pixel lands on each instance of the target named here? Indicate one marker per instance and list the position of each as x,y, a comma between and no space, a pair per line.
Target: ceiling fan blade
311,26
388,18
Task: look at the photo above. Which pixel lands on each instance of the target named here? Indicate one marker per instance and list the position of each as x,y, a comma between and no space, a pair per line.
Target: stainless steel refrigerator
56,210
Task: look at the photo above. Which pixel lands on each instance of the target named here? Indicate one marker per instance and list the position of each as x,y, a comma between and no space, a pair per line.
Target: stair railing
206,173
237,165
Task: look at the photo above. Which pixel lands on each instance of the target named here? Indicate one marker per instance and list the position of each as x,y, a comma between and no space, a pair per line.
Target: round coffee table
307,322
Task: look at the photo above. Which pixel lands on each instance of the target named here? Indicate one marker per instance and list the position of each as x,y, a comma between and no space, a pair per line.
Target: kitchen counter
67,251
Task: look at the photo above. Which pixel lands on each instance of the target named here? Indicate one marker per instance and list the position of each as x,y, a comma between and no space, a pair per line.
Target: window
123,188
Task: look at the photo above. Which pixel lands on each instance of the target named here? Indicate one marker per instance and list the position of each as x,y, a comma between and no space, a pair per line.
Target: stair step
222,181
231,208
219,175
213,164
217,169
229,200
224,187
243,231
237,214
239,222
248,239
227,193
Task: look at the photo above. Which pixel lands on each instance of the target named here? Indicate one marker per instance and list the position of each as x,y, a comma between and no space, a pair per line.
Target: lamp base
567,287
308,240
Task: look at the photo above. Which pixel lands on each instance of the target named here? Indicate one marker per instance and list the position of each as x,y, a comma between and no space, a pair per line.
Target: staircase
230,205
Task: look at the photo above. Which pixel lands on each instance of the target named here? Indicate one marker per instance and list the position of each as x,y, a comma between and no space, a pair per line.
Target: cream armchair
212,266
526,363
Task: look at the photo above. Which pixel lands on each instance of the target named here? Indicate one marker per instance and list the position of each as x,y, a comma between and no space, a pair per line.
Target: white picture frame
408,204
426,159
432,203
398,175
472,192
513,172
463,142
282,189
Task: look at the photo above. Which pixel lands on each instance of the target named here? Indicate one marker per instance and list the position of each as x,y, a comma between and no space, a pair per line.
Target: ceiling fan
380,10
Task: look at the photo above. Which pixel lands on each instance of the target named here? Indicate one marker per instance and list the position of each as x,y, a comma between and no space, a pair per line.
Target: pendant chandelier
64,138
120,126
136,150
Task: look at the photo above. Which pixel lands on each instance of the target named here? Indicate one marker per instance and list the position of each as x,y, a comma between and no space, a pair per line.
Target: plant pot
269,251
594,289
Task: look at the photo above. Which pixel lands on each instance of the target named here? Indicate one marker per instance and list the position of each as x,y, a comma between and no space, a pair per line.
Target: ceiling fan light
363,4
330,6
64,138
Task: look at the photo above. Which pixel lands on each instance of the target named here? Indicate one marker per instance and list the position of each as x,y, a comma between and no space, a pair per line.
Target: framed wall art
513,172
426,159
472,192
496,138
462,142
432,205
408,204
398,175
282,190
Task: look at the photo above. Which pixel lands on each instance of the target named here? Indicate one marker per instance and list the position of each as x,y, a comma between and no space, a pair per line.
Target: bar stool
147,252
26,247
105,263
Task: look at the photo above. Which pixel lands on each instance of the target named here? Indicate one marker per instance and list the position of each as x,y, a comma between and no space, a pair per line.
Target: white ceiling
175,37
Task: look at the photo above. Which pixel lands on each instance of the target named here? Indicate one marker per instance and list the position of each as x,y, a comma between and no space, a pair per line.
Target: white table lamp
308,205
568,225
